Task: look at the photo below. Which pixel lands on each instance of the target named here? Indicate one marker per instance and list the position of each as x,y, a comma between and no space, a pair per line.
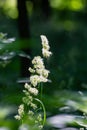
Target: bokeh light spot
76,5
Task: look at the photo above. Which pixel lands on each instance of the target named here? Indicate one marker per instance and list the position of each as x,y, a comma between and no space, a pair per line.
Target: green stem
22,121
44,110
41,90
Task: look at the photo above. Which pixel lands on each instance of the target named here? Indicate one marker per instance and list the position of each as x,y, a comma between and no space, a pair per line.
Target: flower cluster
20,112
39,74
45,44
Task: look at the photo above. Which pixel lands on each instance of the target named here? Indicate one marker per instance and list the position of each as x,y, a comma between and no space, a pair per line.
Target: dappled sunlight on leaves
9,8
74,5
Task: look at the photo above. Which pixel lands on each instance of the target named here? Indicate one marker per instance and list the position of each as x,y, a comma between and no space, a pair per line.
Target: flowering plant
39,74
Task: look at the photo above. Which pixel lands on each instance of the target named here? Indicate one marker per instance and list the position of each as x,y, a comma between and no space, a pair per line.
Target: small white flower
21,106
40,126
45,50
47,47
17,117
39,118
39,71
33,91
46,53
38,62
34,79
27,86
31,70
34,106
45,73
26,92
37,59
30,98
31,113
44,40
27,100
39,66
36,121
21,110
43,79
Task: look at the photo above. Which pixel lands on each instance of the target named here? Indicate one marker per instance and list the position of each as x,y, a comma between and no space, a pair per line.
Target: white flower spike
45,44
39,74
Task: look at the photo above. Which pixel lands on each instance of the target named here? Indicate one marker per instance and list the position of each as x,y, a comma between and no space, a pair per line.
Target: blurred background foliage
64,22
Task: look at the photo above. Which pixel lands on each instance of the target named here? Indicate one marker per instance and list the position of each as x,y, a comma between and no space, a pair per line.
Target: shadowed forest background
64,22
